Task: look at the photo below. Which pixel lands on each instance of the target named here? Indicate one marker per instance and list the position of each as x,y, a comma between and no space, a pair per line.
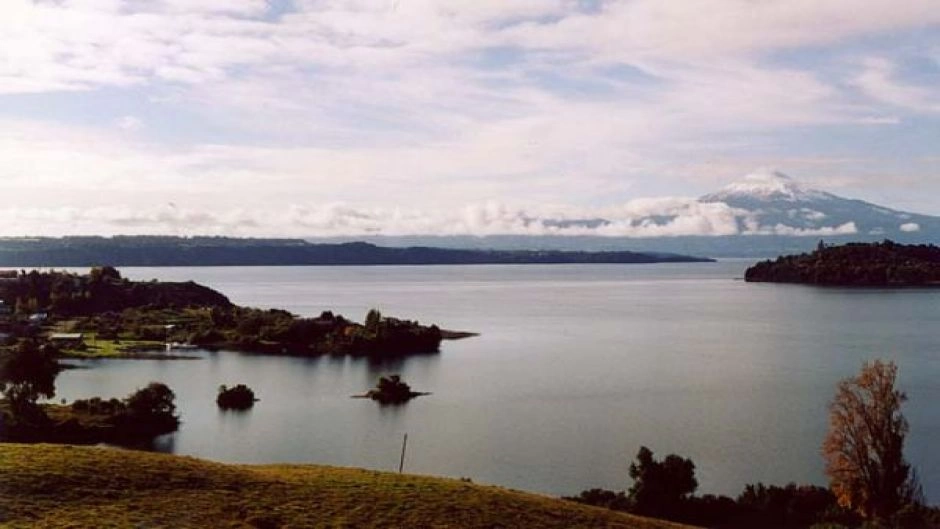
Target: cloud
661,217
424,103
910,227
879,81
849,228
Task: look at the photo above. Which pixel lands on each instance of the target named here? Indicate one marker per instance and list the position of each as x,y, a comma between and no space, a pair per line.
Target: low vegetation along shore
62,486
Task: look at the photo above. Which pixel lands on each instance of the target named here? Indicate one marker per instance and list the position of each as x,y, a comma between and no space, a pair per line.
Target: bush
391,390
152,403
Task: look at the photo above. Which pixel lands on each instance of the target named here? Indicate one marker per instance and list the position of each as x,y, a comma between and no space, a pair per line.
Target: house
67,339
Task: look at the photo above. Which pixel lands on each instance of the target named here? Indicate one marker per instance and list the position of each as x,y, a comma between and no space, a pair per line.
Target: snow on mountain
767,185
764,213
774,203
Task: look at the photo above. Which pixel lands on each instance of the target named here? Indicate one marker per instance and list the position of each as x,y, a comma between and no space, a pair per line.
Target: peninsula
104,314
880,264
228,251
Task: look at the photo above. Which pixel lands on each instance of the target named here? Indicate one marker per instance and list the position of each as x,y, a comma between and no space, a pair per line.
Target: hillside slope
64,486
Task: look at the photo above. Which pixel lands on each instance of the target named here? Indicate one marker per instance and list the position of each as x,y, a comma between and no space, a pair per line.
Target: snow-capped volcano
764,213
765,202
771,202
767,185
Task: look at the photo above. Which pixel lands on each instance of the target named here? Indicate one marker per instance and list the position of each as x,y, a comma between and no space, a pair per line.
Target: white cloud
661,217
910,227
849,228
878,80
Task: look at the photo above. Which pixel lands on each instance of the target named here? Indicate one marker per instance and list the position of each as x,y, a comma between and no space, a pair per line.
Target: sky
344,117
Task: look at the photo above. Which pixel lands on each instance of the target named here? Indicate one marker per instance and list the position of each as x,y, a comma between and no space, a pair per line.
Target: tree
660,486
154,402
864,446
28,372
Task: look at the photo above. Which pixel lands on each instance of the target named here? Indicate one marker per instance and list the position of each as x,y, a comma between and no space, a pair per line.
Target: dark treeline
114,308
102,290
222,251
859,264
665,489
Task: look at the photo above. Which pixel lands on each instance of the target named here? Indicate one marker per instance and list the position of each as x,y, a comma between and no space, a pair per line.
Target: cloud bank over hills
761,203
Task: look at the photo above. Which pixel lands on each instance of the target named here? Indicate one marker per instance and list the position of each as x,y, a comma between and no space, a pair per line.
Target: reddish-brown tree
864,446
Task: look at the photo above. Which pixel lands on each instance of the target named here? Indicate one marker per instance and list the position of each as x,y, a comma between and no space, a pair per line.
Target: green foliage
155,402
144,414
27,373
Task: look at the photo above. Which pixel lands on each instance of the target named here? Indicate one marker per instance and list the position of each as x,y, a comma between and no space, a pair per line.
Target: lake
576,367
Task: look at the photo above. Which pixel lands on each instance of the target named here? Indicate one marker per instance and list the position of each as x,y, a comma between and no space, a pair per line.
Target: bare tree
864,447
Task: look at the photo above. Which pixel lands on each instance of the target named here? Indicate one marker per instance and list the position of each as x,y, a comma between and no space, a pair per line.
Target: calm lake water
576,367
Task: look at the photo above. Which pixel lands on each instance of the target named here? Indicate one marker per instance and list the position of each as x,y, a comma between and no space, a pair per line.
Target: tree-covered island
884,264
391,390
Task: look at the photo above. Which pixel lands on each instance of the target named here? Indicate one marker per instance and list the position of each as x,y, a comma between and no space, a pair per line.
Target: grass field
95,348
55,486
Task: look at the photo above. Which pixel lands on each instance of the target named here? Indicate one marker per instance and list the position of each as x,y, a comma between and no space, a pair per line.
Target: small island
391,390
240,397
884,264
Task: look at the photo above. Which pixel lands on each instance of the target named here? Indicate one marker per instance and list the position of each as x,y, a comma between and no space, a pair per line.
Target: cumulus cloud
910,227
661,217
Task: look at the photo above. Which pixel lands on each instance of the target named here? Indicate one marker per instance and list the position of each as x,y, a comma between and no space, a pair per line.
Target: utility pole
404,445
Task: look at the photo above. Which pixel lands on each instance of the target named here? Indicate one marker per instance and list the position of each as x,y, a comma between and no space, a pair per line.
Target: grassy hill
64,486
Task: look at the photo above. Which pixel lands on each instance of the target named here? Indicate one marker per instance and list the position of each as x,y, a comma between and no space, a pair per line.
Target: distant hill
65,486
222,251
858,264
